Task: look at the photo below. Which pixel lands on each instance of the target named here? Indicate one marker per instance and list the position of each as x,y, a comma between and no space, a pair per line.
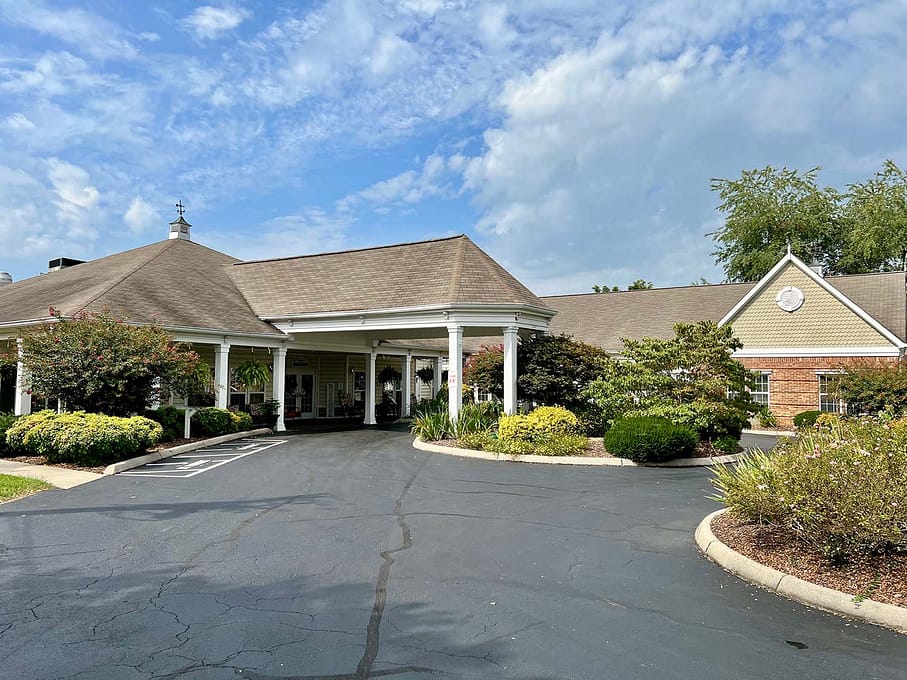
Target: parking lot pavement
350,555
187,465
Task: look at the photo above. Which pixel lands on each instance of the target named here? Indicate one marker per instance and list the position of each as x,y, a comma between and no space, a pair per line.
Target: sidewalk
59,477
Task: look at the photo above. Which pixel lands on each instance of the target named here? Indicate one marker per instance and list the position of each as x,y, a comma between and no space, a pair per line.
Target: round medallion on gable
789,298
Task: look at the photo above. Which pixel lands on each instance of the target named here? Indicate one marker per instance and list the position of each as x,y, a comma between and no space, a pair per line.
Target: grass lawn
15,487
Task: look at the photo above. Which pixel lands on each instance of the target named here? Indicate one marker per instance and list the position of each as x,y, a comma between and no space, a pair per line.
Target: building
328,324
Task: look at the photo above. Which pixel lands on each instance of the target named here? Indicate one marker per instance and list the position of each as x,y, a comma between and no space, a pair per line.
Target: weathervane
180,208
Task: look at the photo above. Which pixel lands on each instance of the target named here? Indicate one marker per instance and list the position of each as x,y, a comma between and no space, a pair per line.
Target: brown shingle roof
603,319
174,283
441,271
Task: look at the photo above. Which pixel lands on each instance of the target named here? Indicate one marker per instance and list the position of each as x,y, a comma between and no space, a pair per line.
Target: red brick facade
794,381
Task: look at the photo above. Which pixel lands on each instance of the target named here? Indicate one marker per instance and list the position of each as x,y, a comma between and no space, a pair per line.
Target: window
760,391
828,402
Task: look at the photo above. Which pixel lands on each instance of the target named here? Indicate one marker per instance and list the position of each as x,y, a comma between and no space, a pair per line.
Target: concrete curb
778,433
570,460
793,588
124,465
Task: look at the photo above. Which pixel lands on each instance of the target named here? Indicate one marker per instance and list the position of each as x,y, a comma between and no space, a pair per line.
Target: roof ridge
130,272
652,290
352,250
456,274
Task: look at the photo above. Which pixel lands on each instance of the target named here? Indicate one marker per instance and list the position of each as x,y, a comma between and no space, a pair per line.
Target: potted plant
266,412
426,375
252,373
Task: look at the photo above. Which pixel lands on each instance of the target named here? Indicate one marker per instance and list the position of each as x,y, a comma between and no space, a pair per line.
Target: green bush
6,421
543,422
211,422
840,487
592,421
543,445
768,419
433,424
648,439
710,420
727,445
172,421
806,419
82,438
242,421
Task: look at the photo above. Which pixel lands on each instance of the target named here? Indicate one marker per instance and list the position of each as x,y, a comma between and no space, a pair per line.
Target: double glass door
299,395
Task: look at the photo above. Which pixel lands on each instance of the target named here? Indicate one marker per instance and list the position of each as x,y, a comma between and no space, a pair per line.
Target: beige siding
822,321
331,372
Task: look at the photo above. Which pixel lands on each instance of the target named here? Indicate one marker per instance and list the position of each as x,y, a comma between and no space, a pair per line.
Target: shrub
768,419
82,438
710,420
172,421
840,487
6,421
431,426
648,439
213,421
540,423
242,421
806,419
727,445
544,445
872,388
592,421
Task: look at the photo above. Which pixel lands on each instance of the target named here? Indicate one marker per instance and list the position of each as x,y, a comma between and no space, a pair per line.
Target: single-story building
328,324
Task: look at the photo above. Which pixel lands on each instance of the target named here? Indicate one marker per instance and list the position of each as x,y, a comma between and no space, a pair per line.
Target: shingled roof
603,319
441,271
174,283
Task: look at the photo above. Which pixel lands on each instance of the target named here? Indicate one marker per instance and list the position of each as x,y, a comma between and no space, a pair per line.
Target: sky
574,141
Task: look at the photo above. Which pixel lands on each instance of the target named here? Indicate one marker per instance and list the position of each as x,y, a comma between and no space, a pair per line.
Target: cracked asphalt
351,555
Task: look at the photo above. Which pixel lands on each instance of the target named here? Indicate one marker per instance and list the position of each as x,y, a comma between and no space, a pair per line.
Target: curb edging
570,460
124,465
793,588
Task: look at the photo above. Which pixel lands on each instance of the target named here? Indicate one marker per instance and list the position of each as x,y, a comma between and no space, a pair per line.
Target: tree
640,284
605,289
877,209
768,210
100,364
552,370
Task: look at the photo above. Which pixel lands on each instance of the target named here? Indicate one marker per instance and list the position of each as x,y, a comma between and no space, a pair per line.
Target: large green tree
768,209
877,209
97,363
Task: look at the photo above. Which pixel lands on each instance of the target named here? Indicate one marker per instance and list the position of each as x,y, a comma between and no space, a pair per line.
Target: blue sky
573,140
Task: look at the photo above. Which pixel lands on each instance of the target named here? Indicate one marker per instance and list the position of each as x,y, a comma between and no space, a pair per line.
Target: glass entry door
299,395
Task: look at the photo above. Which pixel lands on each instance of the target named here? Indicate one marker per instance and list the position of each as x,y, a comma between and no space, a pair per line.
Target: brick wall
794,385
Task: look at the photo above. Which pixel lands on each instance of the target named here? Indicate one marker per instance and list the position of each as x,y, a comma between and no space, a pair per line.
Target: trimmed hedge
82,438
545,421
211,422
649,439
172,420
806,419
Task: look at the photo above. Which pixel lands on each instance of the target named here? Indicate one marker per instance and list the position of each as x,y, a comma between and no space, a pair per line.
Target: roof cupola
179,228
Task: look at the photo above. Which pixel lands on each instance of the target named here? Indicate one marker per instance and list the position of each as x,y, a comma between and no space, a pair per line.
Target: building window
760,391
828,400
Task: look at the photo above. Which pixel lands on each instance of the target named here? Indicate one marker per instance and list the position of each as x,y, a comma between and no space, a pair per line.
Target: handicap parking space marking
186,465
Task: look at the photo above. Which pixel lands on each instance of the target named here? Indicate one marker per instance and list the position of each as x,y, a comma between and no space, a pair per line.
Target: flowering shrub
82,438
538,424
840,487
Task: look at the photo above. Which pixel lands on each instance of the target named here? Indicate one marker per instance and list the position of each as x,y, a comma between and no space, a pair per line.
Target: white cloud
407,187
209,23
18,122
76,196
140,215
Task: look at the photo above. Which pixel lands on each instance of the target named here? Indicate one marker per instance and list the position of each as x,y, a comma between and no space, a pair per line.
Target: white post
510,349
454,369
407,379
370,389
22,403
278,382
436,383
221,374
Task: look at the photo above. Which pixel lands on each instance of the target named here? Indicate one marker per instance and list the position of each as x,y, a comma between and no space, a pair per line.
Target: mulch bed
596,448
881,578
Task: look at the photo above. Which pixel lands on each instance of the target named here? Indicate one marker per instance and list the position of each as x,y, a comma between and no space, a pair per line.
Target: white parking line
185,466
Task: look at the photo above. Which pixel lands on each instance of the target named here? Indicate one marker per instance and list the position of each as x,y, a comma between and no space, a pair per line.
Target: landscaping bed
879,578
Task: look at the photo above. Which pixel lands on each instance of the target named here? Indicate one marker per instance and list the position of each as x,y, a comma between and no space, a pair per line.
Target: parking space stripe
185,465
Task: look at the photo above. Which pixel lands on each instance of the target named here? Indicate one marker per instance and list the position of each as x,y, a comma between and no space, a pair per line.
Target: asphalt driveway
351,555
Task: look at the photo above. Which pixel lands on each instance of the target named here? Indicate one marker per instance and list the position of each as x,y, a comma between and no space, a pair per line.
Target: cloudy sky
573,140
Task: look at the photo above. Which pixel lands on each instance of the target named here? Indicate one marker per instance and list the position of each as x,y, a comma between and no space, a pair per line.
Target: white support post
370,388
407,385
454,370
221,374
22,402
278,382
436,382
510,349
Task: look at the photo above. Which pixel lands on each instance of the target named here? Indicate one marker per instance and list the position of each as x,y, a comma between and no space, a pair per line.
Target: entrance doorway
299,395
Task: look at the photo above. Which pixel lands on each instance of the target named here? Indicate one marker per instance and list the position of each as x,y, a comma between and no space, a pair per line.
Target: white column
22,402
436,383
454,370
221,374
278,382
370,389
510,348
407,386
